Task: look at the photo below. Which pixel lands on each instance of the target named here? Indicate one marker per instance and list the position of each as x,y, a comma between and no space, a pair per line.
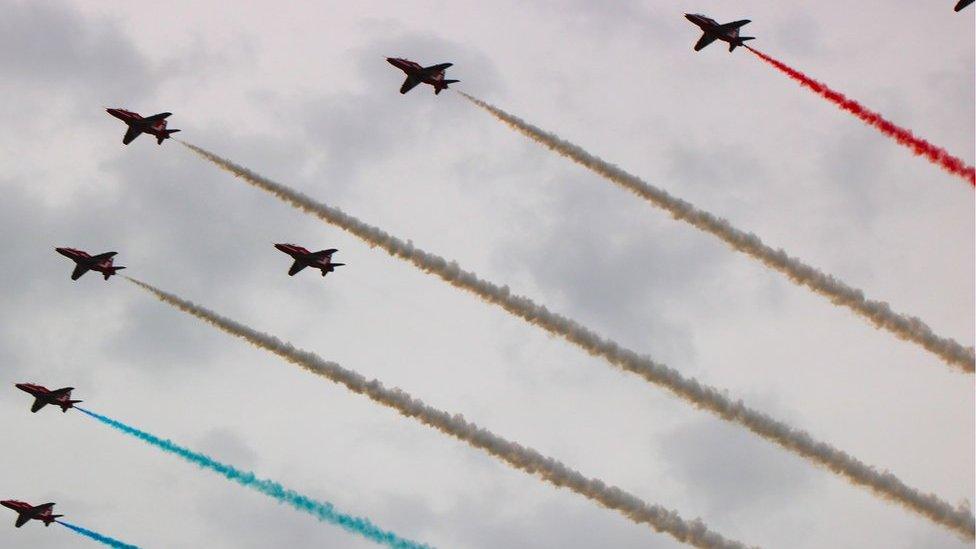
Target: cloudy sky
299,92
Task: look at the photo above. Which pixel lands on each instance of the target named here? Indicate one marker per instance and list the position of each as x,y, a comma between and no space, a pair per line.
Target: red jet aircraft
303,258
729,32
416,74
44,396
84,262
153,125
27,511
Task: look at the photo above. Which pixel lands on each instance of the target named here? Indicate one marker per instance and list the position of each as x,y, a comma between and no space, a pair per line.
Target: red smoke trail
918,145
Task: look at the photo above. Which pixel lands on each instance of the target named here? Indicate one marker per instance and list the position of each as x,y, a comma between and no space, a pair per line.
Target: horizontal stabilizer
732,45
111,271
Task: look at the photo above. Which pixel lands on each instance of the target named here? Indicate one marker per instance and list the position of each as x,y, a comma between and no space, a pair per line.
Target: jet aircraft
416,74
26,512
962,4
84,262
712,30
44,396
153,125
303,258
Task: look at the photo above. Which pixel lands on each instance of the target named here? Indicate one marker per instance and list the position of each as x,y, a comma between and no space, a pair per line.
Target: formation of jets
26,512
44,396
155,125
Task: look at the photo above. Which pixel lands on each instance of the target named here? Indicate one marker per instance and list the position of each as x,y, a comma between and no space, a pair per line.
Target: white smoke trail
516,455
708,398
879,313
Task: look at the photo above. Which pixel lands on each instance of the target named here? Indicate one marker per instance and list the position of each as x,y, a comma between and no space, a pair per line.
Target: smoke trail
96,536
320,510
919,146
708,398
516,455
878,313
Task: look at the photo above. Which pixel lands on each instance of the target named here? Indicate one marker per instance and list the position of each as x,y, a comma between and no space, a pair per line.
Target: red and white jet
416,74
26,512
153,125
321,260
729,32
85,262
44,396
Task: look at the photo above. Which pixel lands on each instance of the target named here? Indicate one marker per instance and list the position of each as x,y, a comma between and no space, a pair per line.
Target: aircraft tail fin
69,404
443,85
742,39
50,519
331,268
165,135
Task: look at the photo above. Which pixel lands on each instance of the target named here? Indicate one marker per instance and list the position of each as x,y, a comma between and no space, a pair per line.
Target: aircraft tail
331,268
164,136
69,404
111,271
443,85
742,39
53,518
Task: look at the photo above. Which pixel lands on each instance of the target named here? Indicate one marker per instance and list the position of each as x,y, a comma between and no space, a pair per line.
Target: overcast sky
299,92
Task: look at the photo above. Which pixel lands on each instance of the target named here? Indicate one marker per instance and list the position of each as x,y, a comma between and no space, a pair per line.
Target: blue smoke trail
96,536
322,511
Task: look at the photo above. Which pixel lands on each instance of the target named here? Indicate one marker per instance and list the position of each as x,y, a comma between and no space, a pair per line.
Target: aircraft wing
104,256
295,267
38,404
130,135
437,68
79,270
705,40
22,520
733,25
962,4
409,84
66,391
324,253
156,117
